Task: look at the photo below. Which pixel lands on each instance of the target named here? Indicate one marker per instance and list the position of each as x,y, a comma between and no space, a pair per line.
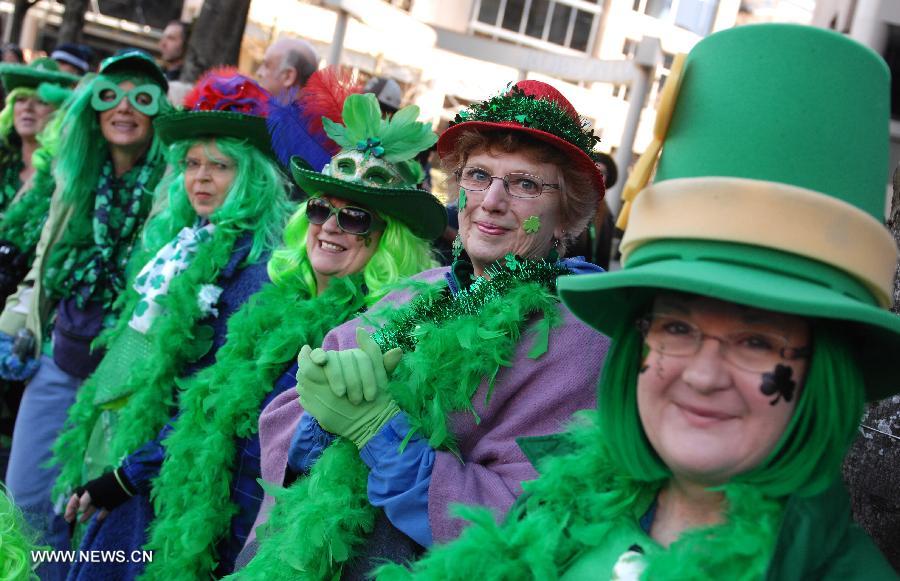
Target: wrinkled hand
81,503
346,390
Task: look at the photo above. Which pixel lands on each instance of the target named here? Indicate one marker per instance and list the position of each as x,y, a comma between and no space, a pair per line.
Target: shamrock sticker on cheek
779,383
532,224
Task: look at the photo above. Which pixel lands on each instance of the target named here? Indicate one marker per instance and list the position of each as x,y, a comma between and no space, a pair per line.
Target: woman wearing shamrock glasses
470,364
107,165
200,259
746,338
341,252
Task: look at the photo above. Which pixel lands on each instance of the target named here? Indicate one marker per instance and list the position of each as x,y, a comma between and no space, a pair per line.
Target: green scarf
176,339
9,180
192,495
317,523
580,502
24,220
92,255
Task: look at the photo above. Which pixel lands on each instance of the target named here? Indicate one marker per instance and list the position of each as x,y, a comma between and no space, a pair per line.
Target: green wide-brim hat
183,125
42,70
417,209
770,192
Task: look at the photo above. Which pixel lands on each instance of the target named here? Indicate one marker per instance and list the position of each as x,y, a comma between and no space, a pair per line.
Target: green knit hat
42,70
751,202
376,165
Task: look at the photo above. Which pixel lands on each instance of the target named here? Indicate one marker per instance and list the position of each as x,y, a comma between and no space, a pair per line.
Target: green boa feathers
311,535
176,340
574,506
192,495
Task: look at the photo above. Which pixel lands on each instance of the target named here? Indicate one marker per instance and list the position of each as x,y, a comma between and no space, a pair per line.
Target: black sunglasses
350,219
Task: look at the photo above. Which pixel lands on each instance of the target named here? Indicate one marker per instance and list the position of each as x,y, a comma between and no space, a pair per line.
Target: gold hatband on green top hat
769,191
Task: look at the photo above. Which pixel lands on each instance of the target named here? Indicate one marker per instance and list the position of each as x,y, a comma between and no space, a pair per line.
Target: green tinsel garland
517,107
311,534
192,494
577,502
176,340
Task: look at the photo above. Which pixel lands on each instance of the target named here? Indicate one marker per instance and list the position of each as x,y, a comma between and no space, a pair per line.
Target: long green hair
82,146
8,135
256,202
399,251
807,457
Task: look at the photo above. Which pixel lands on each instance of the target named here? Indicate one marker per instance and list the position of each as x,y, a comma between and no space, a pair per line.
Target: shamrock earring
457,247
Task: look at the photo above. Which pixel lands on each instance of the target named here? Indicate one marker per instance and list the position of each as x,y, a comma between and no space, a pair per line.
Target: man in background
172,48
287,64
73,58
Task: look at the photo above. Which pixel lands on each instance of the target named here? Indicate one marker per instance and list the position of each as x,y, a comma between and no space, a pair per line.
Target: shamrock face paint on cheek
779,383
462,199
532,224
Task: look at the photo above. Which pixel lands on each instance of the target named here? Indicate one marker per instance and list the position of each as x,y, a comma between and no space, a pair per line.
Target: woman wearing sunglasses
341,252
108,164
746,339
425,412
201,258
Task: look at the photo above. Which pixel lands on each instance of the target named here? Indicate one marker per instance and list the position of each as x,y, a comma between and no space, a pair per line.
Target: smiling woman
743,351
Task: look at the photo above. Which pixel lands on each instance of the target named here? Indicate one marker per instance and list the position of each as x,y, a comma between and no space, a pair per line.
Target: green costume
747,207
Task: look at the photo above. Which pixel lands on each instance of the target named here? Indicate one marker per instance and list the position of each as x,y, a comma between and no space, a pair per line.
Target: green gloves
346,391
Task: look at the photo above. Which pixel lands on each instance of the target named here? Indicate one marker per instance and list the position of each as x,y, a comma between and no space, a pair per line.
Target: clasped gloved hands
346,391
16,361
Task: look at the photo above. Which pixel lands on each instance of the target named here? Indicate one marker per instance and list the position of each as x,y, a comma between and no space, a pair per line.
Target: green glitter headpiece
536,108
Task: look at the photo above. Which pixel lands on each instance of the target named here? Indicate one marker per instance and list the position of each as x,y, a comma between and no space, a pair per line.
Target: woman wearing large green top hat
749,328
108,163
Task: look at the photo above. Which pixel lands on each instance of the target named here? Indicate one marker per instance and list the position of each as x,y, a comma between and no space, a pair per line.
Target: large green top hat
752,203
223,103
376,166
42,70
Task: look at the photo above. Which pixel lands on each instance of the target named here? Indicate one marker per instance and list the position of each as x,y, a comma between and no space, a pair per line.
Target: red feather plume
324,95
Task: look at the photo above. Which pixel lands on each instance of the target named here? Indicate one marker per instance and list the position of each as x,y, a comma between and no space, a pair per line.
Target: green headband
144,98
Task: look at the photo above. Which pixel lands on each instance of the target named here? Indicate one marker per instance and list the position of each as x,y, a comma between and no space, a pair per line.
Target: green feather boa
577,502
192,495
176,340
311,533
24,220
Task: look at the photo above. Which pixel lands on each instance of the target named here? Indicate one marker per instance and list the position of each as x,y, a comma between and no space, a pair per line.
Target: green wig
399,251
83,149
15,544
807,457
8,134
256,202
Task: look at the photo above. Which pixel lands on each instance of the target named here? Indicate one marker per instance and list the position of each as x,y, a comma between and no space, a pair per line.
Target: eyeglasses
144,98
518,185
213,167
350,219
750,350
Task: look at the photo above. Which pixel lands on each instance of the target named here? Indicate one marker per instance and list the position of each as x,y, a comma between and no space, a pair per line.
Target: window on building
567,23
697,16
629,47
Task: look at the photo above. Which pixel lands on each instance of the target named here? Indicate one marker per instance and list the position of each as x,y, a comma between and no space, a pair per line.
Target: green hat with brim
419,210
42,70
135,61
746,207
183,125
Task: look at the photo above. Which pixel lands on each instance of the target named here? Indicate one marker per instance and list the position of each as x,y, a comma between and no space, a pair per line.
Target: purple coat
530,398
